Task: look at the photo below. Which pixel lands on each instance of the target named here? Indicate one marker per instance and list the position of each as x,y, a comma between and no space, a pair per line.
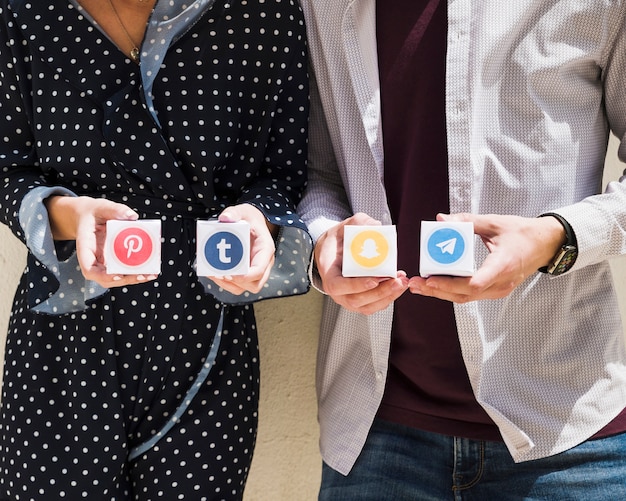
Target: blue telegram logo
223,250
446,246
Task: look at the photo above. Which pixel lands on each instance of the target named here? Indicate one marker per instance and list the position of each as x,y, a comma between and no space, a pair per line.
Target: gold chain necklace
134,52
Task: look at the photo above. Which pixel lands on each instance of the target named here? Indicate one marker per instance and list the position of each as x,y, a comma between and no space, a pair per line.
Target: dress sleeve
18,163
60,286
51,263
280,182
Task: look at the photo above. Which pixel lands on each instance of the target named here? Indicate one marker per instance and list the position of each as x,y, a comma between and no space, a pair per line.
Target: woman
143,386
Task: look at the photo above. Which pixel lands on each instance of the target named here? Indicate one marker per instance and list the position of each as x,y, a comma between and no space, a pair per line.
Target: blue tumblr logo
223,251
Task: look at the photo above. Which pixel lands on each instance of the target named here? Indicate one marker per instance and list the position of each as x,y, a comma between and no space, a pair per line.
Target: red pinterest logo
132,246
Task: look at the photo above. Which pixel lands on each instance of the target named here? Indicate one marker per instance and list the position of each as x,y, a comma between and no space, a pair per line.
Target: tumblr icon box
222,248
369,251
447,248
133,247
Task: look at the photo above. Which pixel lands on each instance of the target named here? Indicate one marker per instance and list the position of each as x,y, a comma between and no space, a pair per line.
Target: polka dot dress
215,114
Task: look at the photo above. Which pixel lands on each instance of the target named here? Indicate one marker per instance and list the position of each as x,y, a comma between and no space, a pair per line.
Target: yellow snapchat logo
369,248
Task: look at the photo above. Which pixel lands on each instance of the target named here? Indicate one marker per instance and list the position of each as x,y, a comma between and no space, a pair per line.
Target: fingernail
398,285
431,284
117,278
225,217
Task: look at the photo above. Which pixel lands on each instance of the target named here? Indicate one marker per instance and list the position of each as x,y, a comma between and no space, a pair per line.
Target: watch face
564,261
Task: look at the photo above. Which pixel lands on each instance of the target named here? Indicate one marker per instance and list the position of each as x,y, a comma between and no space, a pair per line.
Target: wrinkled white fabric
533,89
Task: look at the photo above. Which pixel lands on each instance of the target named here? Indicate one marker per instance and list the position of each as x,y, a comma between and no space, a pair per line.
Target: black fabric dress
215,115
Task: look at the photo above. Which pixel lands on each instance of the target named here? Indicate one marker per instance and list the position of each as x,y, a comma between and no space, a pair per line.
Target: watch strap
570,237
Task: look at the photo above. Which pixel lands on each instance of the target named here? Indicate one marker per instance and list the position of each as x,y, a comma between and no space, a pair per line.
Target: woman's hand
262,250
83,219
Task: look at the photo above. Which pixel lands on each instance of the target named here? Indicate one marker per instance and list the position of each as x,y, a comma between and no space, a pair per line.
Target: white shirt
532,90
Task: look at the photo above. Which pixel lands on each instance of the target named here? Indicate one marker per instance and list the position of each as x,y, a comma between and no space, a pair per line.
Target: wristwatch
565,258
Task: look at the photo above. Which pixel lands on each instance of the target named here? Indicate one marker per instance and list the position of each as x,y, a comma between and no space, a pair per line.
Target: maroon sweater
428,387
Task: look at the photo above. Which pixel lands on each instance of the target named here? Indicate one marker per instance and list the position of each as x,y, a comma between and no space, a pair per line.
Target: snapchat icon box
370,251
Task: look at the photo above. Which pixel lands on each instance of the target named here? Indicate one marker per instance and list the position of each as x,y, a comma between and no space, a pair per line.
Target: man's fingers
375,299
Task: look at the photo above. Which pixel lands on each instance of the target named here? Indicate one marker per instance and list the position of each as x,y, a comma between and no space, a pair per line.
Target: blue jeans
404,464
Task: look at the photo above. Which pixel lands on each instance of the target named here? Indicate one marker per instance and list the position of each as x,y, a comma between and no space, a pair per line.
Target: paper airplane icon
448,246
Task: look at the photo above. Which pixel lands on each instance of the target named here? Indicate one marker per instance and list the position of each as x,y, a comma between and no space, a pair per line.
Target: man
512,382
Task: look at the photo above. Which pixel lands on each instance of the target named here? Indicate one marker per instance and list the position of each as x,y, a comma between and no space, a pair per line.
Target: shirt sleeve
325,202
599,221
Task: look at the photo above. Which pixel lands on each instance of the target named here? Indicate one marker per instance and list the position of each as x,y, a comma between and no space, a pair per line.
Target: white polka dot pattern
91,373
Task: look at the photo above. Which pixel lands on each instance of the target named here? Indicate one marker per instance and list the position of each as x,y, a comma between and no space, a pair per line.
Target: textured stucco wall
286,465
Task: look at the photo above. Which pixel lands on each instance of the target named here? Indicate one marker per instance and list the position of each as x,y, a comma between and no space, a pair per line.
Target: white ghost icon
369,250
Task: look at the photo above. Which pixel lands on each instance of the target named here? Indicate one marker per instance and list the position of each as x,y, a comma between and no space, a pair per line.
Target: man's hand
517,246
365,295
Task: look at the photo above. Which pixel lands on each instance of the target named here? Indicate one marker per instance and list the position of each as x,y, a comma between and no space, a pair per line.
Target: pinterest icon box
222,248
133,247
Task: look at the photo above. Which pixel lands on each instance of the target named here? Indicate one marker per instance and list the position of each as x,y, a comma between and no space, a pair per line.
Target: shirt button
379,376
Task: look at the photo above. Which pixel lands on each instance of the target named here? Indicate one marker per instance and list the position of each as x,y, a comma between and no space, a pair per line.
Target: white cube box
222,248
133,247
370,251
447,248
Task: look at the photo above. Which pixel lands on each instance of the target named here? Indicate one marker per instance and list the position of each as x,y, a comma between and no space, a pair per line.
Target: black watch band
565,258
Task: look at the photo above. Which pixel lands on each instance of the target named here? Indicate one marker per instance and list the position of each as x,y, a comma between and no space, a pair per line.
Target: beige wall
286,465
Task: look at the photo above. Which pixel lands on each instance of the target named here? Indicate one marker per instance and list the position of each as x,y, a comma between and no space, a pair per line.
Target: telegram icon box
447,248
